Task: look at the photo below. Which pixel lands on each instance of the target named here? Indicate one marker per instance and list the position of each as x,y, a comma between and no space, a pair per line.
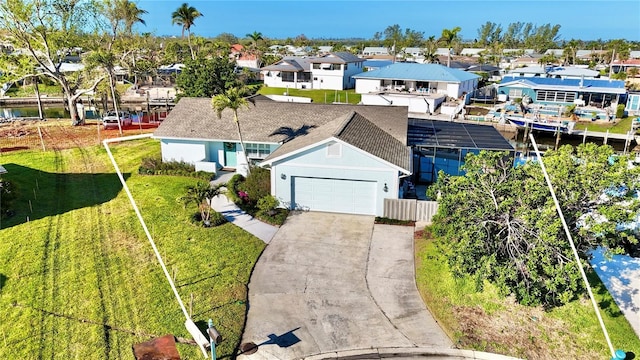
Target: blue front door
230,155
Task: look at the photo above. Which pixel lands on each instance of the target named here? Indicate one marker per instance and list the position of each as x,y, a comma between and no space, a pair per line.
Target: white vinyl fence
410,209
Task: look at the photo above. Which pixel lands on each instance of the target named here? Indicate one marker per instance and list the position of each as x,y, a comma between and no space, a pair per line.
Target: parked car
110,120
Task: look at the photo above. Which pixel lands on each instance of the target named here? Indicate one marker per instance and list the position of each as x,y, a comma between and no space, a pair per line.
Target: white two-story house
333,71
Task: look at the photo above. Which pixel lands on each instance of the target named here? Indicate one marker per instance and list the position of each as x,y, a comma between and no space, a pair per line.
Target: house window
555,96
346,66
258,151
316,66
515,93
334,150
287,76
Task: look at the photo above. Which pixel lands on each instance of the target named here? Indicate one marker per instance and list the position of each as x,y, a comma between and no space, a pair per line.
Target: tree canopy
498,222
206,77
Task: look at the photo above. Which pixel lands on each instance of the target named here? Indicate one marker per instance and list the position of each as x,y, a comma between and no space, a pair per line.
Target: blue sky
585,19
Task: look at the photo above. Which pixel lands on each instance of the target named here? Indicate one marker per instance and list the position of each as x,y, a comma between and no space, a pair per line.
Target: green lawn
317,96
622,126
79,278
485,321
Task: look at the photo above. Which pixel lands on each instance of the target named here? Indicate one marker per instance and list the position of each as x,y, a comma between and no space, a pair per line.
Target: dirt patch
60,134
476,110
518,331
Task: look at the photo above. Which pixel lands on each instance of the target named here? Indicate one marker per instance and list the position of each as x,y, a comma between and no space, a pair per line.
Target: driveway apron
314,290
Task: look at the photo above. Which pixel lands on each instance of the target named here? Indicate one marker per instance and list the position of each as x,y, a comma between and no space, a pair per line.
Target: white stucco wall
182,150
415,103
327,81
364,86
351,165
276,81
453,90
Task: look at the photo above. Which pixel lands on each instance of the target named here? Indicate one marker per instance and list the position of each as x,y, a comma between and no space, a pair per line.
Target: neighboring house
369,51
524,60
475,52
421,87
243,58
352,153
624,65
333,71
411,52
564,72
493,72
430,78
369,65
555,52
325,49
595,92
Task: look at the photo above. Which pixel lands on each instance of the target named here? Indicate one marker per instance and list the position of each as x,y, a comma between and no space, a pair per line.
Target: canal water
58,112
545,140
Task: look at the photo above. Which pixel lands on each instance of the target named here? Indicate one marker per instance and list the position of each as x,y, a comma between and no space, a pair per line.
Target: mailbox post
214,338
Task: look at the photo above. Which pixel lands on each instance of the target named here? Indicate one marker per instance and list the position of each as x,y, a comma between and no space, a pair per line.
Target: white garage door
334,195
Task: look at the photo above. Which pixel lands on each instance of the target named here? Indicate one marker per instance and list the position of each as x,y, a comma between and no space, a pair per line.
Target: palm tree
448,38
131,15
254,47
232,99
200,195
107,60
255,37
429,50
185,16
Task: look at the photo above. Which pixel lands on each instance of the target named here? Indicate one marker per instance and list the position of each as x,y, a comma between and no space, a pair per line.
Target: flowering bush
243,196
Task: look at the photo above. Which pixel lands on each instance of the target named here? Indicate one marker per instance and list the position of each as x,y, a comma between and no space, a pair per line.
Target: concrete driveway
334,282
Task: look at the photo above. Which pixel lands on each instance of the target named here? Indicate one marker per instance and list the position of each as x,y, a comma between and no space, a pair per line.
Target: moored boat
542,125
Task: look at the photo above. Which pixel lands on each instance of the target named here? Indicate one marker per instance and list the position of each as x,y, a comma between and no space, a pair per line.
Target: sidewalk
621,275
231,212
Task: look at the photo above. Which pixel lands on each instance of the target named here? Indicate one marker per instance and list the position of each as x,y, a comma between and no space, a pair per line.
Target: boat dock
602,135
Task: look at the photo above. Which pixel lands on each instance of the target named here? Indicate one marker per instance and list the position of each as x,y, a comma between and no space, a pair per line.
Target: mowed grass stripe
106,280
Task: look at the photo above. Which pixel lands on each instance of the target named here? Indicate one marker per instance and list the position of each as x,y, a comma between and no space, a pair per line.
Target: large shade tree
498,222
185,16
47,31
206,77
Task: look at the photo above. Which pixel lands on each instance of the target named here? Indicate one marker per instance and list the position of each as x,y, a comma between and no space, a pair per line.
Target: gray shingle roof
270,121
356,130
289,64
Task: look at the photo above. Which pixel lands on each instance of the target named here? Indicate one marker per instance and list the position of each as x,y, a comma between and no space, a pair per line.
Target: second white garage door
334,195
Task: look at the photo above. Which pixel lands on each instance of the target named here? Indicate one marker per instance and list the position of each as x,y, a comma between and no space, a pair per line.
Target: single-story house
347,165
430,78
325,157
421,87
375,64
566,72
595,92
625,65
375,50
333,71
472,51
